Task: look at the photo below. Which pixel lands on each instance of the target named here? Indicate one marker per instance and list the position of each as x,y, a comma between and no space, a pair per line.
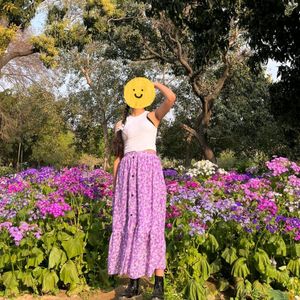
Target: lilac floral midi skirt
137,244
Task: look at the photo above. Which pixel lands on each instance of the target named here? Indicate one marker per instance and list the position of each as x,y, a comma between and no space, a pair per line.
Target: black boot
158,291
131,291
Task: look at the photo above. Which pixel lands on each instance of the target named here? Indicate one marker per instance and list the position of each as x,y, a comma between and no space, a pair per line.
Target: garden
239,231
229,143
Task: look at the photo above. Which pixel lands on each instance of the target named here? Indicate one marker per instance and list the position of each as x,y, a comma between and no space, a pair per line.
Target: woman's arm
169,101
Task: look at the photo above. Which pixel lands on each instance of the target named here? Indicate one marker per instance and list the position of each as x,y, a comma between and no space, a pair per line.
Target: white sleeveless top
139,133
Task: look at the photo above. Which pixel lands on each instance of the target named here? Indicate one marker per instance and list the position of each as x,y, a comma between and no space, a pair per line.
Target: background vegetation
61,90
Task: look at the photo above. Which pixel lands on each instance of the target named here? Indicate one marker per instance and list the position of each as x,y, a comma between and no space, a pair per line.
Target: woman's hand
169,101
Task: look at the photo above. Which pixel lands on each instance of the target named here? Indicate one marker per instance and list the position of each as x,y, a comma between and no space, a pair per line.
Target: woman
137,244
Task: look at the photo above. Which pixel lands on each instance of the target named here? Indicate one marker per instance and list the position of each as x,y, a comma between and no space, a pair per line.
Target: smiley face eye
134,90
142,90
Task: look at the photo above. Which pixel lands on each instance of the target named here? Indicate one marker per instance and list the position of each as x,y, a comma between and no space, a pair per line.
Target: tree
273,30
58,152
36,113
242,120
170,35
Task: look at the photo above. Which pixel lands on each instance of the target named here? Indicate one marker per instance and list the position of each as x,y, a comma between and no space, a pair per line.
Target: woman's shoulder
118,125
151,115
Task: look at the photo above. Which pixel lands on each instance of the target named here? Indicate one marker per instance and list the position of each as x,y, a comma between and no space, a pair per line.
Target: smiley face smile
140,96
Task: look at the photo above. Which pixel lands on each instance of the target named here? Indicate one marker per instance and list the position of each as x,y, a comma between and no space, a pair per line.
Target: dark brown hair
118,143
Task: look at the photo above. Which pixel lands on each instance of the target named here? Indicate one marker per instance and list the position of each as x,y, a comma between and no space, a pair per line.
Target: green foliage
195,291
6,171
272,29
56,151
229,254
227,159
18,13
39,129
294,266
242,117
6,35
15,17
65,257
46,47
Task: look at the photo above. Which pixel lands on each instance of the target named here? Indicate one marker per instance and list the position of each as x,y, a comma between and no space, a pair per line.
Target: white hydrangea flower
203,168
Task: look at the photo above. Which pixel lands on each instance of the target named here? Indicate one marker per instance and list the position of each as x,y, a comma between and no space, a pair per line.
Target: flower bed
240,231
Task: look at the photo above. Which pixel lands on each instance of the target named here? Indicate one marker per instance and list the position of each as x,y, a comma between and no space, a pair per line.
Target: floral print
137,244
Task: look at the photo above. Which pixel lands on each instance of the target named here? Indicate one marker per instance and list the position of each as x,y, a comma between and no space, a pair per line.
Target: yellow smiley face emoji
139,92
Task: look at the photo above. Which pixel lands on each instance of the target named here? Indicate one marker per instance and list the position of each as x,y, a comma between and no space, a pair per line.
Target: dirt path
97,294
92,295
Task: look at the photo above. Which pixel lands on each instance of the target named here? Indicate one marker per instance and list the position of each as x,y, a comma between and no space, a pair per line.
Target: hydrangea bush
239,231
236,230
54,230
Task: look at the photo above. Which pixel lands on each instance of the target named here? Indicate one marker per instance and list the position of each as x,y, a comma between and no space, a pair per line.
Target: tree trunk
207,151
188,158
200,136
106,164
19,154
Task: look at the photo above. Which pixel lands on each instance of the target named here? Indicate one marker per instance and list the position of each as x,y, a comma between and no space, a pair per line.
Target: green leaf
278,295
49,239
37,272
295,250
36,257
244,252
262,260
240,288
223,284
259,290
70,214
68,273
28,280
248,287
271,272
70,228
283,277
211,243
246,243
195,291
277,245
281,246
216,266
204,268
75,289
63,236
55,257
229,254
4,259
10,282
294,266
240,268
50,280
73,246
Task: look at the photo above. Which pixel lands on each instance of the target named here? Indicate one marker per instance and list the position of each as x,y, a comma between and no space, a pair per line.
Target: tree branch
180,56
86,74
10,55
156,54
219,84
